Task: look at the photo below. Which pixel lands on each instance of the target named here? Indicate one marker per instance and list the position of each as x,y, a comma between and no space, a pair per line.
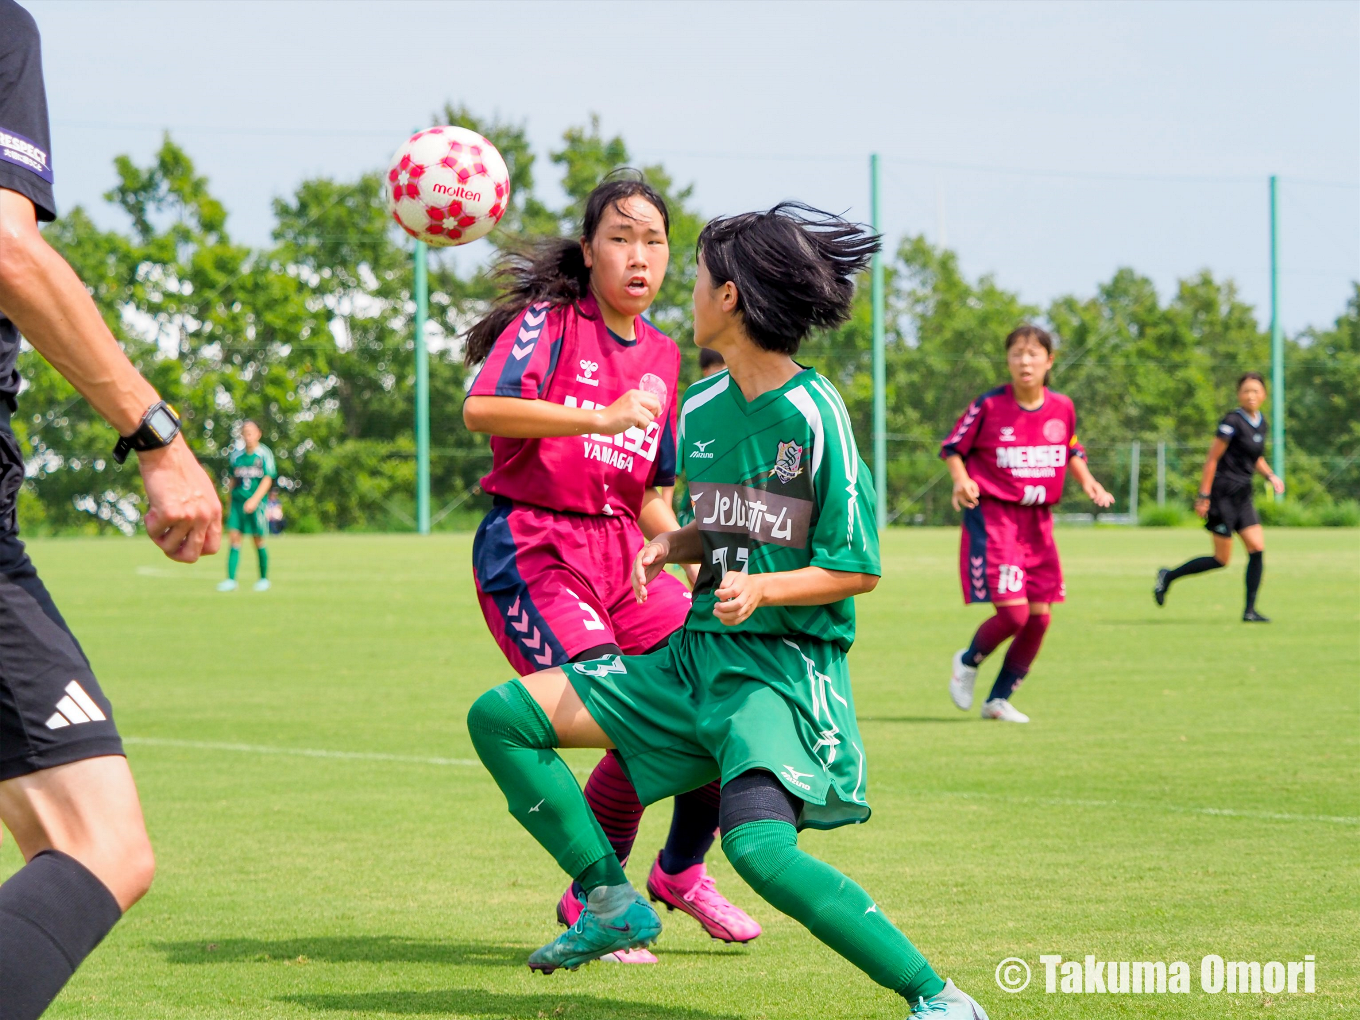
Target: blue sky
1048,143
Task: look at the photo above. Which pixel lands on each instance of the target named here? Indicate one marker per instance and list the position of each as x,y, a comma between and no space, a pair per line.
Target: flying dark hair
1031,332
554,269
793,266
1248,376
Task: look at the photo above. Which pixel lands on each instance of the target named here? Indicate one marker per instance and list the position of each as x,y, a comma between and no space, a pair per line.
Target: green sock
263,555
515,741
233,561
830,905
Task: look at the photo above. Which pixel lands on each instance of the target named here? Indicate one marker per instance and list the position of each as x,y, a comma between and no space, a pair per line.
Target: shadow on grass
915,718
347,949
476,1002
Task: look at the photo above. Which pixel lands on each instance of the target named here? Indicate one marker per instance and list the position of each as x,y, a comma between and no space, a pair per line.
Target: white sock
609,901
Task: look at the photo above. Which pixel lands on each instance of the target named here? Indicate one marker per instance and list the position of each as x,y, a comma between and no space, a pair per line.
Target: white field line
406,759
300,752
1270,816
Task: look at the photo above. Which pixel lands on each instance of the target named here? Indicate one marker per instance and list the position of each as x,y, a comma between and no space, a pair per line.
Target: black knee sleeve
597,652
756,796
53,912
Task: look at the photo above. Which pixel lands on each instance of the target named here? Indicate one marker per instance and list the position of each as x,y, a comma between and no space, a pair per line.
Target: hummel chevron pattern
534,643
75,708
528,333
979,576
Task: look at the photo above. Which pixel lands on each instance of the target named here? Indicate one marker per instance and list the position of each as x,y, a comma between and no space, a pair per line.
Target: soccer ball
447,186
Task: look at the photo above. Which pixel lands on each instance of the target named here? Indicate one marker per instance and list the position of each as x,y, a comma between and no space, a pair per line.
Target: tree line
311,336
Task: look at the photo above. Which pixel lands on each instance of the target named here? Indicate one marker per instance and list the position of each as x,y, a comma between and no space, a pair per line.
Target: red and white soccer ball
447,186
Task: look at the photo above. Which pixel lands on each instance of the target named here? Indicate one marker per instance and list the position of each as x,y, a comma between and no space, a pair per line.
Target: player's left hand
650,561
1096,493
739,596
251,506
184,516
1277,483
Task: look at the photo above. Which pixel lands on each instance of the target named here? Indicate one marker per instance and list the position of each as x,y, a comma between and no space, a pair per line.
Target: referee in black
1224,500
66,793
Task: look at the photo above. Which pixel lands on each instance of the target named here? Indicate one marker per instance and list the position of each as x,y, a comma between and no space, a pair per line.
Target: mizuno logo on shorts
75,708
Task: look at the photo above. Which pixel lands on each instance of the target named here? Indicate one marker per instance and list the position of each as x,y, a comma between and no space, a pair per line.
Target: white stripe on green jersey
777,484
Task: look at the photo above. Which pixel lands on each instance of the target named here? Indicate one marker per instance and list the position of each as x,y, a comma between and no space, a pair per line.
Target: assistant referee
66,792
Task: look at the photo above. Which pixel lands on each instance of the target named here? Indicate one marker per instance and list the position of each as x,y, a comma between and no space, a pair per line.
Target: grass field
329,847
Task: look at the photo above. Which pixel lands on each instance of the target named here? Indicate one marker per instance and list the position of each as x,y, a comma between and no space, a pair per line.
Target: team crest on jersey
788,462
1055,430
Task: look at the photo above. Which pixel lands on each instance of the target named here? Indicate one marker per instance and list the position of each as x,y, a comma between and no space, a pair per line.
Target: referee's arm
41,294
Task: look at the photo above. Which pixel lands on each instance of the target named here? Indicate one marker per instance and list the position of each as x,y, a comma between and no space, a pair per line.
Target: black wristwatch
1203,495
159,427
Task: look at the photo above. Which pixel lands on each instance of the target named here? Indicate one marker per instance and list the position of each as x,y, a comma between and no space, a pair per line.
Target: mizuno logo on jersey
75,708
701,450
792,775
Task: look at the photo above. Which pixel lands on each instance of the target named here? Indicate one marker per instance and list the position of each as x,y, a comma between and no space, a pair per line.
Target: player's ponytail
1029,332
794,268
554,269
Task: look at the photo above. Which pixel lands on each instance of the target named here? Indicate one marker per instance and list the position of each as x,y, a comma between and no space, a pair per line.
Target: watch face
162,424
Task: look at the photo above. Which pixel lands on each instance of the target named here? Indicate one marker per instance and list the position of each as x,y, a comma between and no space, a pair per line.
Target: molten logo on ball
447,186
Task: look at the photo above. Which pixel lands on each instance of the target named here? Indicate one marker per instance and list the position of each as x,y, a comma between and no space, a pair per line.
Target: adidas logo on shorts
77,707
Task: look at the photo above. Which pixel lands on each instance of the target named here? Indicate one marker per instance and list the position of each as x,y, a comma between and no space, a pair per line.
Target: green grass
1188,787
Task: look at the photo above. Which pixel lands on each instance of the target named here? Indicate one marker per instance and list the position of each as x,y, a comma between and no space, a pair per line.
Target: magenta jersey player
1015,454
1009,455
566,354
579,394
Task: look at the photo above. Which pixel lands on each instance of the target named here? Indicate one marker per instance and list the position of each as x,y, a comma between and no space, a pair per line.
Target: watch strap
158,428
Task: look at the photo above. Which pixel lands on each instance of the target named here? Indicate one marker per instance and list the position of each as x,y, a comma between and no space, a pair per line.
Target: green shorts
247,524
712,706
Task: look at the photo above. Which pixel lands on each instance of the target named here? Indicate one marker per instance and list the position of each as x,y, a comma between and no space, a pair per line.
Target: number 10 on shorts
1010,579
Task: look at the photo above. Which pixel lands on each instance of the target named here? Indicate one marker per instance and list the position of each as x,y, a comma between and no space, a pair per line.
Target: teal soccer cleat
948,1004
590,937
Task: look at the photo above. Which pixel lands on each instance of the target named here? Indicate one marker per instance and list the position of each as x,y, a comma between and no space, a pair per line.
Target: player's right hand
635,409
965,494
184,515
650,561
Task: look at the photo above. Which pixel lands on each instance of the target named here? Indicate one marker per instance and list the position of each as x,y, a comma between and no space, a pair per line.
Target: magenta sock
1020,656
611,796
1007,621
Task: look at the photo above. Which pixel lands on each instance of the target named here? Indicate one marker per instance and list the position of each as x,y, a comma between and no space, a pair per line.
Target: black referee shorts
1229,511
52,711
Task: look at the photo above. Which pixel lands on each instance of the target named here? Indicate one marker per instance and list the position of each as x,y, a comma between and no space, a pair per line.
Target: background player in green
754,689
252,475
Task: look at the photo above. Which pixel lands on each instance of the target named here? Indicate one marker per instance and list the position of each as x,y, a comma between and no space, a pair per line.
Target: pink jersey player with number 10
579,393
1009,454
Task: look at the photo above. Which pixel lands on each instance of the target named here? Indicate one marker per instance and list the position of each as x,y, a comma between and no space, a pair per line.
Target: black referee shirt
1246,443
25,153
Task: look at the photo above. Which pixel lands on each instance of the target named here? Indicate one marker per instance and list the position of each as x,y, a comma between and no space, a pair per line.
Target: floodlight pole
1276,337
422,295
880,367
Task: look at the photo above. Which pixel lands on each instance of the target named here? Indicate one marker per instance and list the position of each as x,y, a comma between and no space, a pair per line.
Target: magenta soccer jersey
566,354
1013,454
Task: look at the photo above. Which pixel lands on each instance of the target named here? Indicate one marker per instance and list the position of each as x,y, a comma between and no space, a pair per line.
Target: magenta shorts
552,585
1008,554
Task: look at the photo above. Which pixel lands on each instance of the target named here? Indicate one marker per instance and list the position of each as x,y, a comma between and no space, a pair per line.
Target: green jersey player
754,689
252,475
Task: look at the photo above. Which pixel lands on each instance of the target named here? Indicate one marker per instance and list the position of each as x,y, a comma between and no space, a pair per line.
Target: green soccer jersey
248,469
777,484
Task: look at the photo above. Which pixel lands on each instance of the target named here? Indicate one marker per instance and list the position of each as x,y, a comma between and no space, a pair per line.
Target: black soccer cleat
1159,589
1252,616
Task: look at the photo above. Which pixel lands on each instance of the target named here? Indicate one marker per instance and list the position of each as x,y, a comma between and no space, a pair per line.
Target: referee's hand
184,516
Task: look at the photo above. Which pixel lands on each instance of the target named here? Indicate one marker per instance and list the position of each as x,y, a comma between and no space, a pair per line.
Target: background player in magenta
1224,499
579,394
1008,456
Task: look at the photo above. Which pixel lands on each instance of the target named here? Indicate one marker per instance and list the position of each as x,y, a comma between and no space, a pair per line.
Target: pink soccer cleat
694,893
569,909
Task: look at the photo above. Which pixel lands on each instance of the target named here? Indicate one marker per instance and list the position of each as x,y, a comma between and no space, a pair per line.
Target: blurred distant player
66,793
252,476
1008,456
1224,501
578,392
